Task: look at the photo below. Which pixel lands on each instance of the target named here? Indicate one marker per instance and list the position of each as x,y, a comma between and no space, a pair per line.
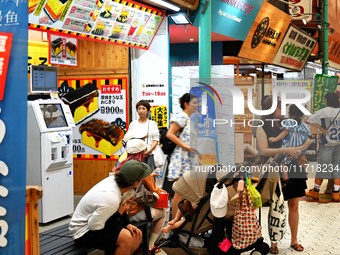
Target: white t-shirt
96,207
147,129
324,118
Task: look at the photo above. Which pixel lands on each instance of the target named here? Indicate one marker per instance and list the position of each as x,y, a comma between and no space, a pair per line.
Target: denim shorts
328,166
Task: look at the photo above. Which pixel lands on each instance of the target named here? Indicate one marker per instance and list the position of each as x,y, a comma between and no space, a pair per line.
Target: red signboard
5,52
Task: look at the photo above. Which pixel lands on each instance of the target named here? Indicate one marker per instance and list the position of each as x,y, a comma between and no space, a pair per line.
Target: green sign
322,85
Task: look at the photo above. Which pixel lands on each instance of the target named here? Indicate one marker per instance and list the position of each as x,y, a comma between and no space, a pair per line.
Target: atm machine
49,157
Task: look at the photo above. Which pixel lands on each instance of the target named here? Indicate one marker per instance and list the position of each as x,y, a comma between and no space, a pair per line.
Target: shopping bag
246,228
277,216
254,194
162,201
159,156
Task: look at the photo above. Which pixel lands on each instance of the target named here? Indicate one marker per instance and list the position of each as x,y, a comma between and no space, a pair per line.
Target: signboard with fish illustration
121,22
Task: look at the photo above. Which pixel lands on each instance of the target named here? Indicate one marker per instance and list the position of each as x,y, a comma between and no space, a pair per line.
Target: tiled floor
318,229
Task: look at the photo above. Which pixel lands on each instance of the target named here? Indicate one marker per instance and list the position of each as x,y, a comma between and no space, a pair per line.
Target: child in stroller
195,187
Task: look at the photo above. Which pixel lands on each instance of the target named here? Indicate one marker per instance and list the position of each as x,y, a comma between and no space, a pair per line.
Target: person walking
185,156
327,120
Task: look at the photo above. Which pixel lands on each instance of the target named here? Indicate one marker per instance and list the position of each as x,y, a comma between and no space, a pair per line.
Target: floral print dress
181,160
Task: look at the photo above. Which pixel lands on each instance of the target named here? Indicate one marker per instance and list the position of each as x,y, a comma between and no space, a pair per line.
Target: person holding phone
100,221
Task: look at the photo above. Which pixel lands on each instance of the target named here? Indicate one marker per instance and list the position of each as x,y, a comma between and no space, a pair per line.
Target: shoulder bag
246,228
169,146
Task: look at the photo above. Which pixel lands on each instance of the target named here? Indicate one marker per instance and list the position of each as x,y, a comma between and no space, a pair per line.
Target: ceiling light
191,39
180,19
166,4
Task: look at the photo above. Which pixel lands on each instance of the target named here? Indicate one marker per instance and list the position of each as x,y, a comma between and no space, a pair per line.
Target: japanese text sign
322,85
295,49
5,52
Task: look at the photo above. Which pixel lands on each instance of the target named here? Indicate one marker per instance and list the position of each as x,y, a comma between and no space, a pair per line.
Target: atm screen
53,115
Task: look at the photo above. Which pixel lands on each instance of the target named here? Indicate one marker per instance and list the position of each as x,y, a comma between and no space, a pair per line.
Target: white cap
219,201
134,146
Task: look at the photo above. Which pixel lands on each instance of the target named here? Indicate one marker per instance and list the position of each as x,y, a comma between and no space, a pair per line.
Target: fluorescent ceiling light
180,19
167,5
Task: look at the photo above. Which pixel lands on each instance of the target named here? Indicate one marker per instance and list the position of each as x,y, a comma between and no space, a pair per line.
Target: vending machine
49,157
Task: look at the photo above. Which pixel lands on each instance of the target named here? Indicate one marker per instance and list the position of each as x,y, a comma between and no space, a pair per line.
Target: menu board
120,22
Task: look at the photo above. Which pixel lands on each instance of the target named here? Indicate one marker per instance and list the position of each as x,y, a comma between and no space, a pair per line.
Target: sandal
274,250
297,247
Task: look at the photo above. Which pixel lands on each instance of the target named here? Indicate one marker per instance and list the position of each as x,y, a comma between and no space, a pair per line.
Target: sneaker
313,193
336,196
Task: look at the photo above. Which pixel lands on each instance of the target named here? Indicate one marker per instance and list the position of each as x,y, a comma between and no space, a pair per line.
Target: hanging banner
266,34
322,85
63,50
13,125
295,49
233,18
99,109
122,22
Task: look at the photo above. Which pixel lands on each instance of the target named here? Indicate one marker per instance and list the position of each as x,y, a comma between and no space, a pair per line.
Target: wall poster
62,50
99,108
116,21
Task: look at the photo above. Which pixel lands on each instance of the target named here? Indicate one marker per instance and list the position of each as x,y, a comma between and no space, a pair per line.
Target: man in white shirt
100,221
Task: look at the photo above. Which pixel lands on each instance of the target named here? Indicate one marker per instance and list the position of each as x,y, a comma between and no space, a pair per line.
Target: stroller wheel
256,252
264,248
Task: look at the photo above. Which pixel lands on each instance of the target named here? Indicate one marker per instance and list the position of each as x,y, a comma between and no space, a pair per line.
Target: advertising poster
105,20
13,125
214,102
295,49
322,85
63,50
266,34
99,109
156,94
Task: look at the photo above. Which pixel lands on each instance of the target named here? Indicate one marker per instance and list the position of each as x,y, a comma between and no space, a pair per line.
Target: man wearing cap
100,221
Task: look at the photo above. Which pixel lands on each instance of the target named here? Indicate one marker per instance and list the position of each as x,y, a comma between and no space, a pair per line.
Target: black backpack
167,145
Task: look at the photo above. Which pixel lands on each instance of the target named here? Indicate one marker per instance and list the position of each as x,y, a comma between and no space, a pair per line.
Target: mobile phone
127,195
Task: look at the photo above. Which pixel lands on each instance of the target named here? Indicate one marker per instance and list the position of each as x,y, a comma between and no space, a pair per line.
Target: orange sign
266,34
334,47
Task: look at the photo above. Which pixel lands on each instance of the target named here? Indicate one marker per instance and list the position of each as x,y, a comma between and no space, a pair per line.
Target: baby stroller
196,186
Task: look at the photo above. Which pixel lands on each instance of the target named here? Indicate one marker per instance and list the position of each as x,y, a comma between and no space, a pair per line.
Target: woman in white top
145,128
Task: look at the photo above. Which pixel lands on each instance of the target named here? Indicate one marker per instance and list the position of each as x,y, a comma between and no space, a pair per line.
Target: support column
204,42
324,28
